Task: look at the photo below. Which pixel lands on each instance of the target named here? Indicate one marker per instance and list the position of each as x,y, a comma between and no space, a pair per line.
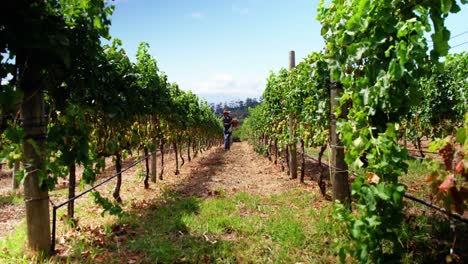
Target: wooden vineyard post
153,162
287,160
292,132
71,190
188,150
276,151
302,160
339,168
147,175
161,149
36,195
15,180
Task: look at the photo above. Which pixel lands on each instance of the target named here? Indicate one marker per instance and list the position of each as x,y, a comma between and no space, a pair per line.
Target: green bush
237,135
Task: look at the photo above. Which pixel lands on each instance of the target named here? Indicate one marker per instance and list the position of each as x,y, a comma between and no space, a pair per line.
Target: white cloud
196,15
224,84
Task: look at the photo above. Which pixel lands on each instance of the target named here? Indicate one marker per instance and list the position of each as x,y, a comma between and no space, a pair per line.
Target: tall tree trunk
161,147
302,160
145,149
36,196
118,169
71,190
153,163
14,178
174,144
188,151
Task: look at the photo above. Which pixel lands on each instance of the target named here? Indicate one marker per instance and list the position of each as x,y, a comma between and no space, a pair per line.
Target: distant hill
239,109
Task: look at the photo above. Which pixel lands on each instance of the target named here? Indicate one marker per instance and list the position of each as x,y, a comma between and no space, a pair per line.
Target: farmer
227,122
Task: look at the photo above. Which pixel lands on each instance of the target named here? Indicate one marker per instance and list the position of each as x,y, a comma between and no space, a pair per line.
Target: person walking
227,122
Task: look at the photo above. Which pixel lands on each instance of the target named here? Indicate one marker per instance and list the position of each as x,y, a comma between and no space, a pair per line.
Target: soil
239,169
213,171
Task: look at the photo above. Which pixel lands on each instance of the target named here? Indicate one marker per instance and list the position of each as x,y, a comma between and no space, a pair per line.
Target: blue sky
223,50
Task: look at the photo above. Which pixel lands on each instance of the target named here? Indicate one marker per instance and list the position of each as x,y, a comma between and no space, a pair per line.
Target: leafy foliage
113,208
445,100
378,51
449,181
301,93
98,102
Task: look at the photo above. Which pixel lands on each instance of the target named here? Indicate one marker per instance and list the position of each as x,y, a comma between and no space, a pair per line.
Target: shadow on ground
433,237
155,231
202,173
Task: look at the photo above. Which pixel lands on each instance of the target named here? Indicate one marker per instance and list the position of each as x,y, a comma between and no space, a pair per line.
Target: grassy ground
244,228
228,208
291,227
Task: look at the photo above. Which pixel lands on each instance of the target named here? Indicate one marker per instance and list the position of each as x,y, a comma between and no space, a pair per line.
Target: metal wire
31,199
435,207
463,33
336,146
410,197
423,151
461,44
56,207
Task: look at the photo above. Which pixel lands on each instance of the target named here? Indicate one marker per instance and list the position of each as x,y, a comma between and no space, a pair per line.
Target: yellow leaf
373,178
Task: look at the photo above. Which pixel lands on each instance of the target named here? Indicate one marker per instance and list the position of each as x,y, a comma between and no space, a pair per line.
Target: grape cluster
447,155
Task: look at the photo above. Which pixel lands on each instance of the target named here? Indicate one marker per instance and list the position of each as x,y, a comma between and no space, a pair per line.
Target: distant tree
248,102
219,109
212,107
239,109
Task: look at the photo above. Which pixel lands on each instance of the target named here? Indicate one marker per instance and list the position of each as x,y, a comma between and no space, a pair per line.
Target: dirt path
12,211
240,169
